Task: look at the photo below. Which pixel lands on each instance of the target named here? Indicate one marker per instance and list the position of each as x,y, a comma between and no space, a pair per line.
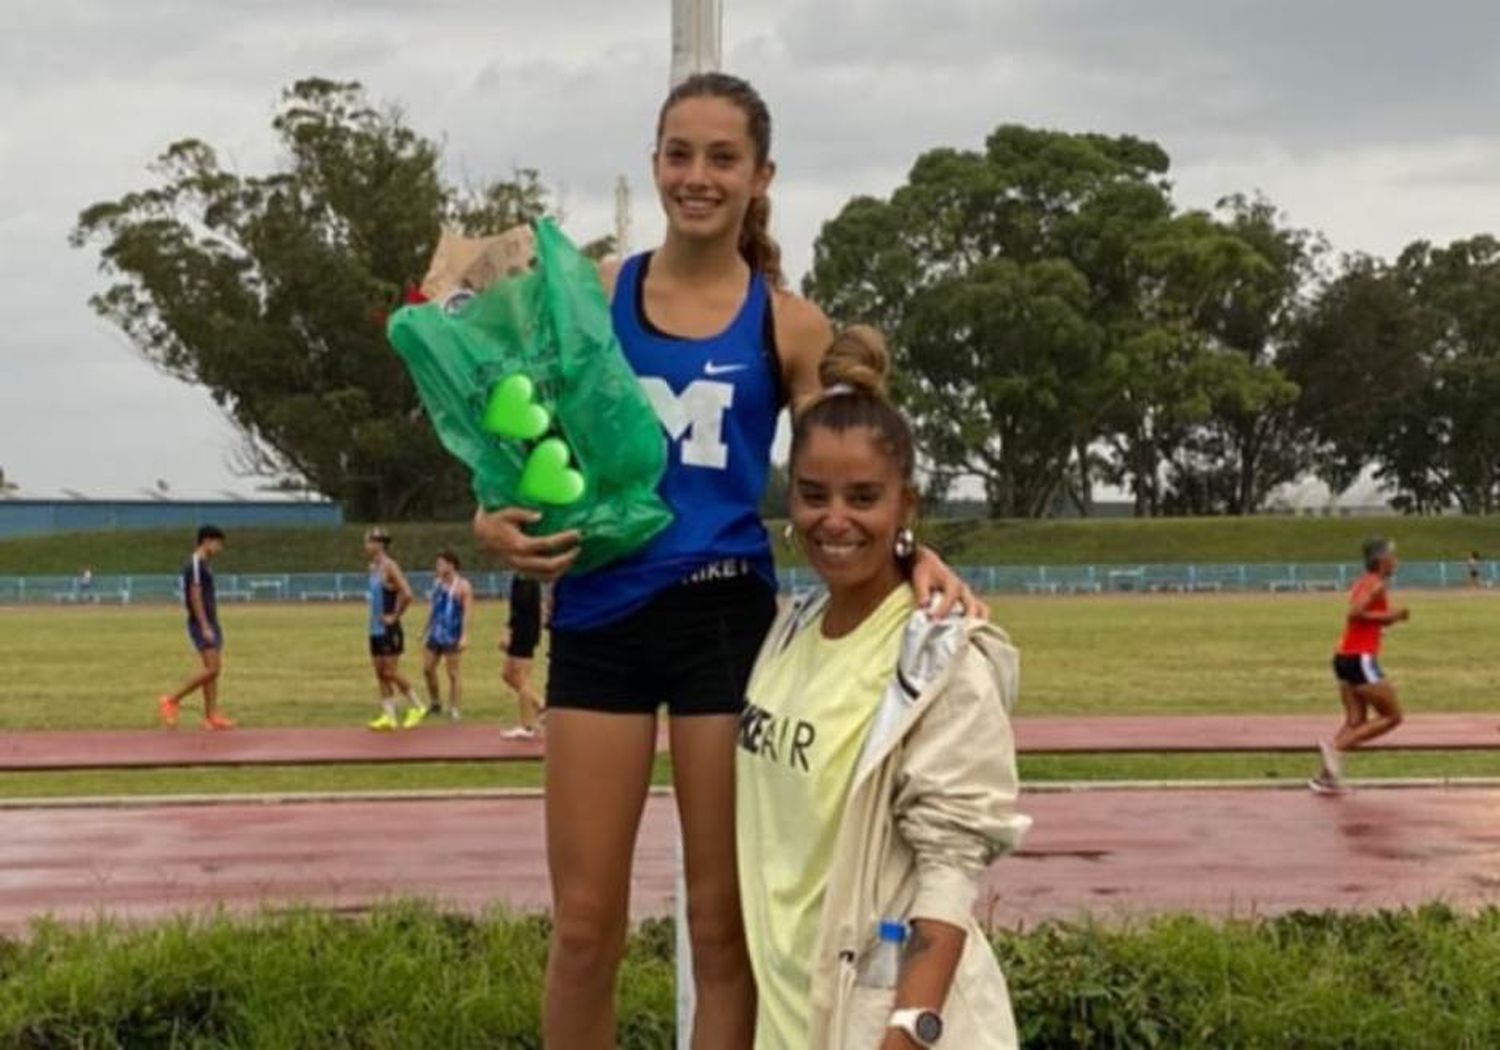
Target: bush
1408,979
410,976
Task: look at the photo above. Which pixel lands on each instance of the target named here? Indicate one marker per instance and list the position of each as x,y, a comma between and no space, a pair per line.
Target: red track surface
1107,852
186,747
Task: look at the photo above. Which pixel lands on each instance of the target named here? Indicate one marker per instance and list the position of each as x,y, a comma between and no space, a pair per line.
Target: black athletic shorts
525,618
1357,669
691,648
392,643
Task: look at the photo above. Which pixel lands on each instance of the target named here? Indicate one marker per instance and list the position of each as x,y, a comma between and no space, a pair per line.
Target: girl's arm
465,603
803,336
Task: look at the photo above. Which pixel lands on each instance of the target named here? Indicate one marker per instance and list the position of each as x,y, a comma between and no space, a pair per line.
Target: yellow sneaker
413,717
384,724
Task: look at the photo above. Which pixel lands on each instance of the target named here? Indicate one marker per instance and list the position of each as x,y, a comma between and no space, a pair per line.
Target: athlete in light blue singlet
447,633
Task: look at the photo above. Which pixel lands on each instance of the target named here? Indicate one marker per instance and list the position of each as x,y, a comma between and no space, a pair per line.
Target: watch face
929,1027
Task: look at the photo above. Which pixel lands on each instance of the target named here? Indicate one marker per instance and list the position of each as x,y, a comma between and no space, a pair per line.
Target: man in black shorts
520,649
204,632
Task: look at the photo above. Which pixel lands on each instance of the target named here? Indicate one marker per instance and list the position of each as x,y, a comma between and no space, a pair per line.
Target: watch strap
905,1018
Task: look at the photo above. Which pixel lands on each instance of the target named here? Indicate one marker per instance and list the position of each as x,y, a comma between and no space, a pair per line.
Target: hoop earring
789,537
906,543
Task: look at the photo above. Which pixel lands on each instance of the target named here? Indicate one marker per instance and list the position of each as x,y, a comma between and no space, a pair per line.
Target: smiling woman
854,497
876,773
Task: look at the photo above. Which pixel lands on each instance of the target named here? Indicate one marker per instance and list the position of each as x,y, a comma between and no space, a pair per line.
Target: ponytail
758,248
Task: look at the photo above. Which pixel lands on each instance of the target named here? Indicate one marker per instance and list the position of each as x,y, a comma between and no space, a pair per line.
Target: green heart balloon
512,411
547,478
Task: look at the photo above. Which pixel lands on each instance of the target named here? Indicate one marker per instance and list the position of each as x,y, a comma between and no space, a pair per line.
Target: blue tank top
718,400
446,626
382,601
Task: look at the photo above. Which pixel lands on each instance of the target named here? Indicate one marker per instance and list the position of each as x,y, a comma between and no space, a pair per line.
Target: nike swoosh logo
711,369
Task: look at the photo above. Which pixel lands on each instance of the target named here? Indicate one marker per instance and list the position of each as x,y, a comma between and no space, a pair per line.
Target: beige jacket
931,805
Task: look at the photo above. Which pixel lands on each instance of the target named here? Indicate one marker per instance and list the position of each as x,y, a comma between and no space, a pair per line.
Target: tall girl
720,348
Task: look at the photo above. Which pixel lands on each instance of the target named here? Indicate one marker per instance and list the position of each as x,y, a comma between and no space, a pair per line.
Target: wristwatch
924,1026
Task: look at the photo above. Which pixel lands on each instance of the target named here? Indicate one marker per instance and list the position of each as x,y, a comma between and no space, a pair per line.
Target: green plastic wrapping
551,326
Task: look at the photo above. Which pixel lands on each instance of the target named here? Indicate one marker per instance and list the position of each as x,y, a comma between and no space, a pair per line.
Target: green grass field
74,668
1163,540
296,665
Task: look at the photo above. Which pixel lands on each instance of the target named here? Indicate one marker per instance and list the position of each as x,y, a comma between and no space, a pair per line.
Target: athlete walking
204,633
448,617
1362,684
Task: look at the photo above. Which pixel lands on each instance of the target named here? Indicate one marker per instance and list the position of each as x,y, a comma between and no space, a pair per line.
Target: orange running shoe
218,721
166,708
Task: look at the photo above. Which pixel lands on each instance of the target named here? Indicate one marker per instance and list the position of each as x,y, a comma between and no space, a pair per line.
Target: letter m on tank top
694,417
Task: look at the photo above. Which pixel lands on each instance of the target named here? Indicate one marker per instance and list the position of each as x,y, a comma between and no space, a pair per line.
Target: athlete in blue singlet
720,348
389,596
448,618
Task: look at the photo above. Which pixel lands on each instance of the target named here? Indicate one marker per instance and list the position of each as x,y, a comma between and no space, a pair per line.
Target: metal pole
685,1001
697,38
697,47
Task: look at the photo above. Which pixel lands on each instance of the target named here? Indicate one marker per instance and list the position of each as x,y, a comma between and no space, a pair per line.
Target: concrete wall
23,517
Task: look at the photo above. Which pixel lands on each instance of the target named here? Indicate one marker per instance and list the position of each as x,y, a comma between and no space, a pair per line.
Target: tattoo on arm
918,944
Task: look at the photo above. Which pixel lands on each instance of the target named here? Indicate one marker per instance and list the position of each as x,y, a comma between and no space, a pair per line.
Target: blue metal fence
988,579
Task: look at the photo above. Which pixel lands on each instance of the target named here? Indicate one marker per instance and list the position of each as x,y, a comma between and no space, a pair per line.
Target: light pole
697,47
697,38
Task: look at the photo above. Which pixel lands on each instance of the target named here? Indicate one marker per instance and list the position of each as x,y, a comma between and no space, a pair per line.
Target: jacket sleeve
956,790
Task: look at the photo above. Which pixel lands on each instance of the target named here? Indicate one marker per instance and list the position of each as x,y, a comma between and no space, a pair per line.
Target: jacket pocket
865,1020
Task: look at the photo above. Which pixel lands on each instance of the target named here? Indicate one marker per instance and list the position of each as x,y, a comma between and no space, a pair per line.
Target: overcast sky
1371,120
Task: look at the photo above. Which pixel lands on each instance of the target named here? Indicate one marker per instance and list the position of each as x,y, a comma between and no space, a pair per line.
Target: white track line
1036,787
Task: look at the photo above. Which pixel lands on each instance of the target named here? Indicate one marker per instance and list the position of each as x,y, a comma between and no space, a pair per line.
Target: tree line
1057,320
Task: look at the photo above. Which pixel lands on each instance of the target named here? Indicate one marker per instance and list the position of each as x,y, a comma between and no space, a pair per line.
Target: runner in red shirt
1362,684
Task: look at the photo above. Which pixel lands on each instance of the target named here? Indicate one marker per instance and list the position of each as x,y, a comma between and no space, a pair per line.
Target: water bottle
883,965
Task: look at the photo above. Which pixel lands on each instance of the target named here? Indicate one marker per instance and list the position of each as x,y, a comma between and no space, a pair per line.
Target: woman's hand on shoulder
803,335
544,557
934,580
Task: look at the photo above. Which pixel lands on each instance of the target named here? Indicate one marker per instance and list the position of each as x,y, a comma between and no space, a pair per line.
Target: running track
1110,852
121,749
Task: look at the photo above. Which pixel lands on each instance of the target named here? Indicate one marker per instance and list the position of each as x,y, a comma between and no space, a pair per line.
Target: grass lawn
450,776
77,668
1161,540
289,665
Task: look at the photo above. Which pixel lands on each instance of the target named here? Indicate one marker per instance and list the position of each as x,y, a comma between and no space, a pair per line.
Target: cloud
1369,119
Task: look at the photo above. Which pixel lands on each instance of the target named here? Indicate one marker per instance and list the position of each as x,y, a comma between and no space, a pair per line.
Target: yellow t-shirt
809,710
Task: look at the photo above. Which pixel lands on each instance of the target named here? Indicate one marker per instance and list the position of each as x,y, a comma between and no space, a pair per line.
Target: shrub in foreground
410,976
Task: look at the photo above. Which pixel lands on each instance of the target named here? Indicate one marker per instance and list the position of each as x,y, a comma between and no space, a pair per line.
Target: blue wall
25,517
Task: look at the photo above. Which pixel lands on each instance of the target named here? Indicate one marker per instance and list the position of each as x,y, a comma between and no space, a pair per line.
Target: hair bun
858,359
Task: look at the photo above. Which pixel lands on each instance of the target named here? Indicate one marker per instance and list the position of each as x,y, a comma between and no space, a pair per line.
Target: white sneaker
1322,784
519,733
1333,763
453,715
